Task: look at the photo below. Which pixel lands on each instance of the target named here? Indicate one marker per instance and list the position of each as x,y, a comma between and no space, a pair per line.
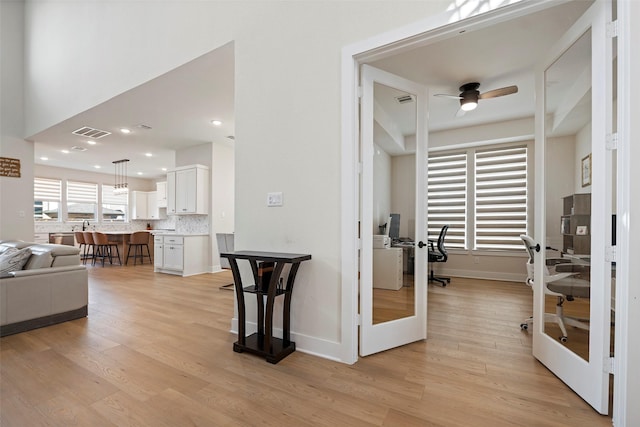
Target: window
501,198
114,206
492,182
82,201
47,194
447,197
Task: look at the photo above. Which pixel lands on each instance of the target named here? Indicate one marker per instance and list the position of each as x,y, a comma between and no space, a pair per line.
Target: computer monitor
394,227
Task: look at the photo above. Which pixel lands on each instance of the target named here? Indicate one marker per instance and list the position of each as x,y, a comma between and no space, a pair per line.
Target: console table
263,343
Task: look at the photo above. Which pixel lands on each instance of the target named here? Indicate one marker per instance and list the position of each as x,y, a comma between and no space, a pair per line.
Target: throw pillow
13,260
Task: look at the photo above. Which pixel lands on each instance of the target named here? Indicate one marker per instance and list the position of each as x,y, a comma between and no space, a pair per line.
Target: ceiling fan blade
444,95
460,113
499,92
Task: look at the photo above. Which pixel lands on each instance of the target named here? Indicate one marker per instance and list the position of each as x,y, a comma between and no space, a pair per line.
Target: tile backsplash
196,224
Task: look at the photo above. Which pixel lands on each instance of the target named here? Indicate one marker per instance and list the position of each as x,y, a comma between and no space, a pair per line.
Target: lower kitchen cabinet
183,255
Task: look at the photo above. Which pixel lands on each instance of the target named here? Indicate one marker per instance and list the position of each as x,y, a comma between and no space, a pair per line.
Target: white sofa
52,287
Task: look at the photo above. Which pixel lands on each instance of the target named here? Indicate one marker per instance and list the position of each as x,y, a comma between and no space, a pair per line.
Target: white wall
223,188
583,149
382,191
403,193
16,194
560,164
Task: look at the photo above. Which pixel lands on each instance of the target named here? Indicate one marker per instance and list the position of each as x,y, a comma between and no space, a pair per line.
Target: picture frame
582,230
586,170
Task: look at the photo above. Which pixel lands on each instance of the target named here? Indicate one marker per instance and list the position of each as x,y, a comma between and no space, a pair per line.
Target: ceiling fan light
468,105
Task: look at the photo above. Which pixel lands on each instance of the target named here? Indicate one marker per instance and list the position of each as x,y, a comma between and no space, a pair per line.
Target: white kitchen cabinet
171,193
173,256
144,205
188,190
184,255
161,189
158,252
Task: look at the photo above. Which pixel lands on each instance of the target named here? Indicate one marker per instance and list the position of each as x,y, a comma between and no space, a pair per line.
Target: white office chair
562,285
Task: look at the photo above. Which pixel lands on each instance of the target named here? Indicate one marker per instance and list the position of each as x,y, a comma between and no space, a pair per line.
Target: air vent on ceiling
77,148
404,99
90,132
231,137
143,126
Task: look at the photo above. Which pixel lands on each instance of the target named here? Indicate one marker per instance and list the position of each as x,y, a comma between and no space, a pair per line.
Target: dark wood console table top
263,343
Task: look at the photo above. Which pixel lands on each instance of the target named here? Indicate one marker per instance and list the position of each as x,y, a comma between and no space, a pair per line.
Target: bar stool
139,240
88,242
104,248
81,244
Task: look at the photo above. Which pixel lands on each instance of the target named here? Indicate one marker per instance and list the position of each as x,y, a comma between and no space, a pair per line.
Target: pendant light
120,177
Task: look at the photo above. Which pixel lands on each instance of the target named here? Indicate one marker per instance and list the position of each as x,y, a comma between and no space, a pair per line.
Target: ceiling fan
470,95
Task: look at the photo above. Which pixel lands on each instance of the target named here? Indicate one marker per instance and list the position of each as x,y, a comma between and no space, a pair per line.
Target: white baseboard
305,344
487,275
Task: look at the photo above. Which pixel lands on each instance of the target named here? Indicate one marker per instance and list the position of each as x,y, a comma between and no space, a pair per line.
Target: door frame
431,30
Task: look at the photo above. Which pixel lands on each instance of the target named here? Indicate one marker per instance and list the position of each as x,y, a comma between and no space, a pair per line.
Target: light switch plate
274,199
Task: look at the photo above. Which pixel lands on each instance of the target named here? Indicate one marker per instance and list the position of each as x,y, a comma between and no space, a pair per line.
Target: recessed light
91,142
148,154
65,151
139,173
216,122
125,130
44,158
164,169
97,166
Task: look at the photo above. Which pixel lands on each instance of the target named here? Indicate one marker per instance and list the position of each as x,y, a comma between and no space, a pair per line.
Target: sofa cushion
38,259
13,260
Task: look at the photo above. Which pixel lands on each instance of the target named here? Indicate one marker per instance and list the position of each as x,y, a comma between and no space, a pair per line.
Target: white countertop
175,233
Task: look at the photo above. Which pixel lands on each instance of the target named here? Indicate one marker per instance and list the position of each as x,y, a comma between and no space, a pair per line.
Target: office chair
438,254
561,284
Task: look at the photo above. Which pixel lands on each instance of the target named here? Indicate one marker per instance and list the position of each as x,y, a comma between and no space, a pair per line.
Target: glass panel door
393,296
573,208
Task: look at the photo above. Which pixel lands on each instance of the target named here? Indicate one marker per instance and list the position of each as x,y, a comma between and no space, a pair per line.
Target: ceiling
500,55
179,105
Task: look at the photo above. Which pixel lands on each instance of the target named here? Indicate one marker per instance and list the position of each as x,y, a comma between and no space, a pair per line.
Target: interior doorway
406,61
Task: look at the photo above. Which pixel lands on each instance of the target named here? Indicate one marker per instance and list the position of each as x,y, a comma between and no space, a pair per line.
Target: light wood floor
156,350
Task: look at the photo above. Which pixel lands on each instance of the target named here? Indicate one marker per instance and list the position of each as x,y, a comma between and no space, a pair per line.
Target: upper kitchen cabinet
144,205
161,189
188,190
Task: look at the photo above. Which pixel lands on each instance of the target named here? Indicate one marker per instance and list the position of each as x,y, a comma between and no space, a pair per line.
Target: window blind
500,198
47,189
82,192
447,197
109,198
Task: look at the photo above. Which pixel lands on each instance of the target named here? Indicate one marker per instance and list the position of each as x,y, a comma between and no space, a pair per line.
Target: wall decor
9,167
586,170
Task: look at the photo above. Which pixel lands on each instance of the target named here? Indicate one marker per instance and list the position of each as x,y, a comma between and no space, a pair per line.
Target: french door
573,203
393,280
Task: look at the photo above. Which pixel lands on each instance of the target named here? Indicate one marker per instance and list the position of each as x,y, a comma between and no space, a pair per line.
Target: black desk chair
438,254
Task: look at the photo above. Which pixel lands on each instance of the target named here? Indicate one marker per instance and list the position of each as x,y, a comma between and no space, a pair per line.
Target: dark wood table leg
237,280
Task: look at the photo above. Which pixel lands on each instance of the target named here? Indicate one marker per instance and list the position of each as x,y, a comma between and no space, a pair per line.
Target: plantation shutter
500,198
447,197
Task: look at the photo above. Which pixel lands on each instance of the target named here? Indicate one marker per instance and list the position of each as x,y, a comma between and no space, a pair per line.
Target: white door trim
429,31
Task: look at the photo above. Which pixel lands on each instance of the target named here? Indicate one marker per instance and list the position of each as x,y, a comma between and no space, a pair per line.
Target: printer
381,241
